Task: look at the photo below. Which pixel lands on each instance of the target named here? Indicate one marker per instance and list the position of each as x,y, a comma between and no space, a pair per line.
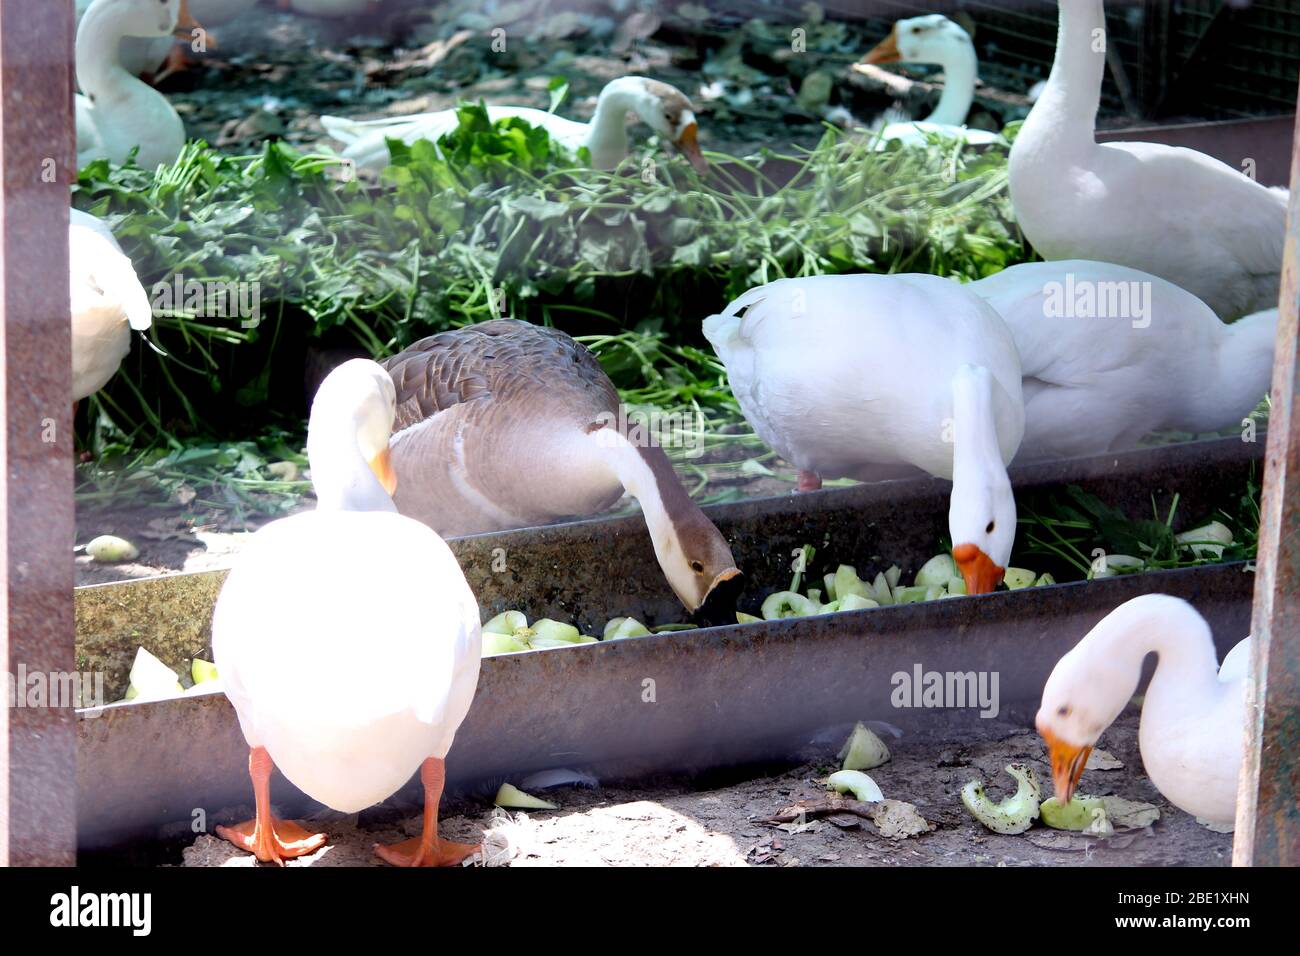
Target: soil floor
715,821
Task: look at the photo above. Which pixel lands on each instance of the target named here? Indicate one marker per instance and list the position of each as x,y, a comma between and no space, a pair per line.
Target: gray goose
506,424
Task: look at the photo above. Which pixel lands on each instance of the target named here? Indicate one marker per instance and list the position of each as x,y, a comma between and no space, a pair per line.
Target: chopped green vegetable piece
853,602
743,618
539,643
956,586
109,549
863,750
1083,814
1112,564
1043,579
511,796
1207,541
620,627
847,582
202,671
936,571
881,591
829,581
857,783
507,622
894,575
495,643
548,629
909,595
1016,813
788,604
151,679
1018,578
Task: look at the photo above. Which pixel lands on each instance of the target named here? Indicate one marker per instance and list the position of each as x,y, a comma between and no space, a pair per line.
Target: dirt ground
715,821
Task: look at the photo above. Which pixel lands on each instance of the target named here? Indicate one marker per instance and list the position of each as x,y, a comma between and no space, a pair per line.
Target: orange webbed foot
416,852
283,840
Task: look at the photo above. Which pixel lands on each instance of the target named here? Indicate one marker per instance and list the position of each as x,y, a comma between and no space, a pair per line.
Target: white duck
1176,213
118,111
663,108
107,303
934,39
474,404
857,375
1110,354
1193,715
346,637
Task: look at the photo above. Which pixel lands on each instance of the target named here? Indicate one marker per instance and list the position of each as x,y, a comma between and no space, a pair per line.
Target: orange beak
691,148
886,51
382,466
981,574
1067,764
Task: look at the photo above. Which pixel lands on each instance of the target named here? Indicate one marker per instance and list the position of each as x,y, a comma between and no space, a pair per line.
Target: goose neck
960,70
99,72
1067,108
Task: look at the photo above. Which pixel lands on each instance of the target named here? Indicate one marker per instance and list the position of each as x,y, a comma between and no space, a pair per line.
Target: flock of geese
864,376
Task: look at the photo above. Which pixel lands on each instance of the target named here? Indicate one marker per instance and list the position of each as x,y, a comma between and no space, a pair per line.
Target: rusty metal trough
695,699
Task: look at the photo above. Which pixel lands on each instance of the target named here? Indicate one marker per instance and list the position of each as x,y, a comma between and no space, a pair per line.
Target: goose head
982,522
347,438
667,111
1084,694
982,509
929,39
143,18
1093,683
696,559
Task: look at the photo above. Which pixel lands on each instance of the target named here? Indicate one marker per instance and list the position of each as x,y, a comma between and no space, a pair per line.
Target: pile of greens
501,221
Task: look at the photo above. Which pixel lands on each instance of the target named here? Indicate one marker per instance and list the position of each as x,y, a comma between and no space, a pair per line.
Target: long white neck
1186,678
960,69
339,471
1238,373
976,453
607,134
1066,112
99,73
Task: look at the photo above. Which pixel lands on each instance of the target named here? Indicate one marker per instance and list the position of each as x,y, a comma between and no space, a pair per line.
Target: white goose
1176,213
107,303
934,39
857,375
663,108
1193,715
118,111
347,638
1110,354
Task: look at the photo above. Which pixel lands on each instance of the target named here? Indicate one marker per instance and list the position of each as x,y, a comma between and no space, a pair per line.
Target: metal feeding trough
696,699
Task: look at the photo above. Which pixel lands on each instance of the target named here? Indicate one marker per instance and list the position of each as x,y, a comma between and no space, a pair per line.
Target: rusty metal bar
1268,800
37,158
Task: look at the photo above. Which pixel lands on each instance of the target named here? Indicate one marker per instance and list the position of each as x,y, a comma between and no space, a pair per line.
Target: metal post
37,158
1268,796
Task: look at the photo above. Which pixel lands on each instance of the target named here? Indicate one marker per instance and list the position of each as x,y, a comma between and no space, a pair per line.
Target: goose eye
697,567
989,529
1063,710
